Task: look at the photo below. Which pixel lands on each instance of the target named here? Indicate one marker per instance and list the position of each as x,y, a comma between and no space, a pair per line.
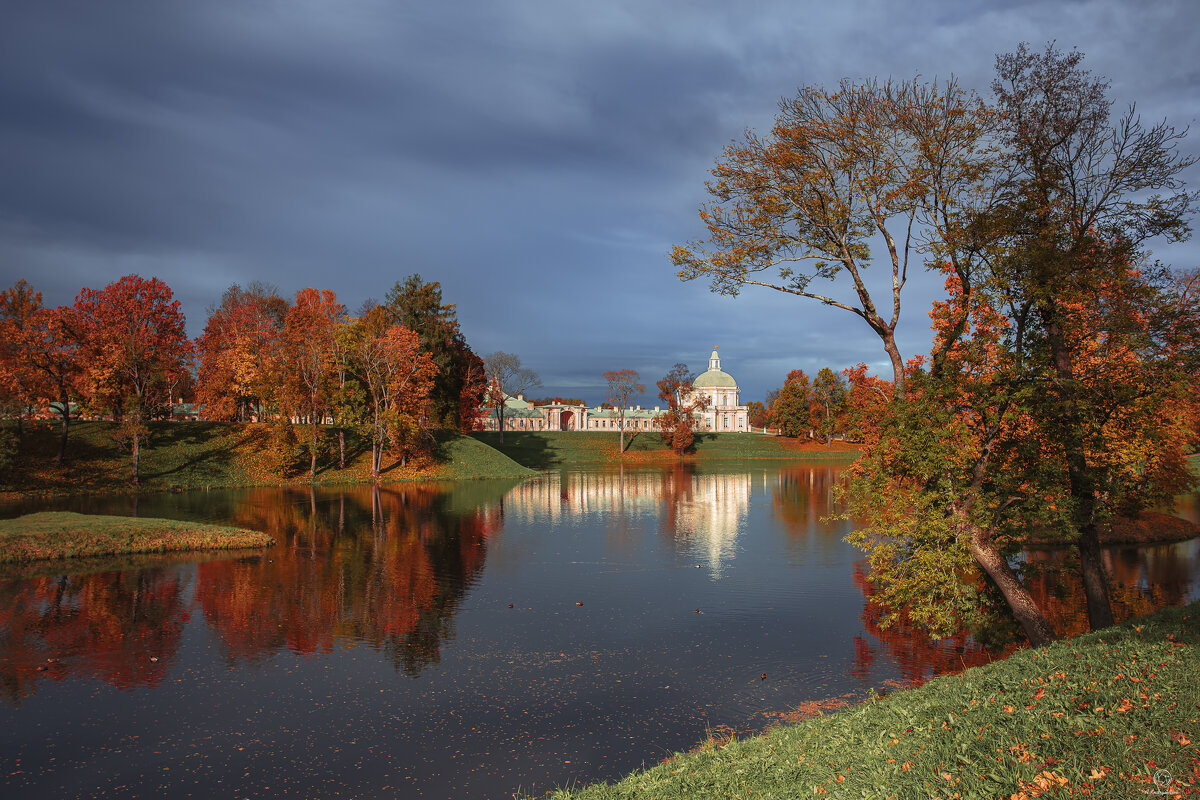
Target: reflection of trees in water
911,650
387,567
1142,580
803,495
120,627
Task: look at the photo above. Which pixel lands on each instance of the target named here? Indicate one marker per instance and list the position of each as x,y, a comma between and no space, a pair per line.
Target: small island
57,534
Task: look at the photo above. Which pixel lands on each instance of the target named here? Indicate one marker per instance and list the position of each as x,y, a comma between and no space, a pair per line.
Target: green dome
714,379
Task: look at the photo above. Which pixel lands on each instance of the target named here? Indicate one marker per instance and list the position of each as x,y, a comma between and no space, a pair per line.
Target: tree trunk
889,344
500,416
312,467
1083,487
1023,606
66,424
136,455
341,448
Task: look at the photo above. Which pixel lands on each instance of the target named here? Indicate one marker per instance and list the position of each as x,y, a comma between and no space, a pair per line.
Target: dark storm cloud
538,158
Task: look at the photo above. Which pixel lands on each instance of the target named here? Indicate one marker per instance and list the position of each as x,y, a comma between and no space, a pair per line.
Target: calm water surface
469,640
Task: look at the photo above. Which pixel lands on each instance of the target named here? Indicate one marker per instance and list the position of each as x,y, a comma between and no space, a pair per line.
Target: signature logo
1163,781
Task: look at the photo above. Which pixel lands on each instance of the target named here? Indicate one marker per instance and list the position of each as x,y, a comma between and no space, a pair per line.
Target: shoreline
1099,714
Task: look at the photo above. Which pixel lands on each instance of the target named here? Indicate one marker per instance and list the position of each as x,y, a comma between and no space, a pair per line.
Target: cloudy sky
538,158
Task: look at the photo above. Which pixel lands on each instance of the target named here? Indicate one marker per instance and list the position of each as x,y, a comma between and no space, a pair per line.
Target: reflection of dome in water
711,521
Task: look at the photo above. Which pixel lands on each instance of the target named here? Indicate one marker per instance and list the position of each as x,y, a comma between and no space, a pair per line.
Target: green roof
714,379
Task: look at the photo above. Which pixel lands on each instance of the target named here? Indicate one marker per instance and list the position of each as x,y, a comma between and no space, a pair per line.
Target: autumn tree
889,166
1082,194
458,390
236,351
623,386
307,360
685,407
398,377
133,344
828,401
867,397
506,378
39,354
790,405
756,413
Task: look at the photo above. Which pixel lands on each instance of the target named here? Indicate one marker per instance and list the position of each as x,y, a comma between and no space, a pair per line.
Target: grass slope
551,449
1094,716
61,534
198,455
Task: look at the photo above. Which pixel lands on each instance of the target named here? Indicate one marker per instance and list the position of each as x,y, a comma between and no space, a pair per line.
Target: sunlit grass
58,534
549,449
203,455
1094,716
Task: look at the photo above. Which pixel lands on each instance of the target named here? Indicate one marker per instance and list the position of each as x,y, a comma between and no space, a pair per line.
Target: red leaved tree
306,358
134,345
234,378
684,407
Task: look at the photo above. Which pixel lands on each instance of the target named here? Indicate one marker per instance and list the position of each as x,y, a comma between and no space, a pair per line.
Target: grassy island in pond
57,534
1114,713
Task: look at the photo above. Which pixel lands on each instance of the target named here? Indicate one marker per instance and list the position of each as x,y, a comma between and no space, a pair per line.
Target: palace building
724,412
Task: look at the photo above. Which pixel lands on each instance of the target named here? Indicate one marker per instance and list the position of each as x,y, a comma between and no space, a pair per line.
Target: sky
539,159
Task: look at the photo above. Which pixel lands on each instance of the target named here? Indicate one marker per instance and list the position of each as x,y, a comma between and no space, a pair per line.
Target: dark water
373,651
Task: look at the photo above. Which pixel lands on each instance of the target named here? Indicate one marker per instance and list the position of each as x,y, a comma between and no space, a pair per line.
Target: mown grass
551,449
1094,716
61,534
199,455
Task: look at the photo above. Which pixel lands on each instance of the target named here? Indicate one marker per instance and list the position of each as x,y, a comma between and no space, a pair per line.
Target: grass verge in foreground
1099,716
61,534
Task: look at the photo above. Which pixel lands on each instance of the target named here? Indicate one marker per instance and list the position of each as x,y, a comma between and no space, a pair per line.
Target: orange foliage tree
306,361
684,408
135,345
398,378
891,166
235,378
39,355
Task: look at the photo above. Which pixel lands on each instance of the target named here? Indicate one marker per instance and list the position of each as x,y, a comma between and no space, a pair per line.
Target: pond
459,641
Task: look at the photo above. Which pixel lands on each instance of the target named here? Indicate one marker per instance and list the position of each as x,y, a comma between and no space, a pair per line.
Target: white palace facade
725,412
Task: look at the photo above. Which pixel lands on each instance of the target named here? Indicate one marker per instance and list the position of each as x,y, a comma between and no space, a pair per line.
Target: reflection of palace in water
703,513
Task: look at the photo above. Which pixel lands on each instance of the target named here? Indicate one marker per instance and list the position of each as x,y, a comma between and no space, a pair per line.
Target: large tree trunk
1023,606
1082,483
341,448
889,345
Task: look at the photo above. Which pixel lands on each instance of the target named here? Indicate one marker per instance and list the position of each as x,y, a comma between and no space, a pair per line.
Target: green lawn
60,534
198,455
1097,716
551,449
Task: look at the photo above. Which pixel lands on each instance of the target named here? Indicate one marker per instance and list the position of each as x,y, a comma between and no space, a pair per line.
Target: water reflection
120,627
532,686
385,567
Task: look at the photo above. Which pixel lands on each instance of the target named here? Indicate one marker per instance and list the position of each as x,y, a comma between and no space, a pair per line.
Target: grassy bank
1094,716
198,455
61,534
553,449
